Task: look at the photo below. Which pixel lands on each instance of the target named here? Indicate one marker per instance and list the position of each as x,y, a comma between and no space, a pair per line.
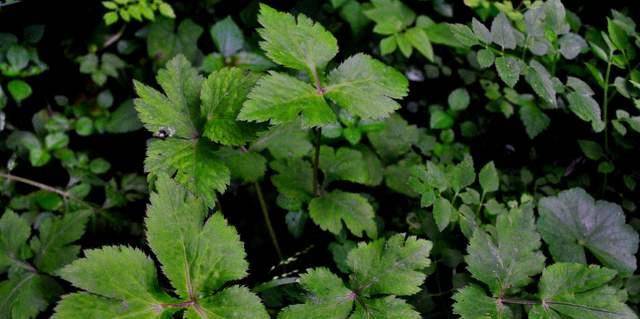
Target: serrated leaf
13,242
472,302
284,141
196,256
86,305
193,162
481,31
503,33
244,165
391,266
388,307
420,41
442,211
294,181
231,303
489,179
534,120
280,98
299,44
164,41
395,139
509,69
25,295
587,109
222,95
177,110
53,247
328,299
330,210
571,45
507,260
390,16
573,221
540,80
366,87
485,58
343,164
578,291
462,175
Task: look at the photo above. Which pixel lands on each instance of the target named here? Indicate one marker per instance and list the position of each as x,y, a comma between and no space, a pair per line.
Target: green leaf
472,302
13,242
222,95
587,109
193,162
502,33
124,119
227,36
86,305
330,210
390,16
388,45
176,111
420,40
294,181
395,139
485,58
540,80
280,98
110,18
489,179
579,291
481,32
298,43
197,256
393,266
284,141
387,307
509,69
366,87
442,211
135,272
534,120
166,10
507,259
328,297
53,247
440,120
459,99
343,164
231,303
591,149
573,221
19,90
462,175
165,42
25,295
246,166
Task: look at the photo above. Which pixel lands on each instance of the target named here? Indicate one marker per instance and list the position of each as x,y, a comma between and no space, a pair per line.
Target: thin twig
36,184
267,220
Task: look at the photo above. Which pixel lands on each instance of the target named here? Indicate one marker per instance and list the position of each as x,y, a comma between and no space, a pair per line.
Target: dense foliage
319,159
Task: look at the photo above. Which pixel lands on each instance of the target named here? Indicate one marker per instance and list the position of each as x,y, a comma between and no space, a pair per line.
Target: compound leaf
331,209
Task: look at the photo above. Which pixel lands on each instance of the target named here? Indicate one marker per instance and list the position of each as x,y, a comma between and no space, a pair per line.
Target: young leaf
395,139
280,98
462,175
578,291
509,69
227,36
573,221
246,166
302,45
502,33
507,259
331,209
389,267
534,120
390,16
222,95
343,164
489,179
176,111
164,41
366,87
294,181
193,162
420,41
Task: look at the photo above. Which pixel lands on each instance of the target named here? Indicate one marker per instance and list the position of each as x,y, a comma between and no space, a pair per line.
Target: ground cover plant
319,159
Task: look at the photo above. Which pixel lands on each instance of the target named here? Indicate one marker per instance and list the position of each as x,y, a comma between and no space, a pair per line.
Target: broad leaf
471,302
343,164
26,294
330,210
294,181
299,43
540,80
366,87
13,243
573,221
395,139
509,69
489,179
227,36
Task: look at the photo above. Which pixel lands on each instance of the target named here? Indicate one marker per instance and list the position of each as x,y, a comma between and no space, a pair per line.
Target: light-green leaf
540,80
222,95
489,179
302,45
330,210
507,259
15,231
573,221
509,69
587,109
442,211
366,87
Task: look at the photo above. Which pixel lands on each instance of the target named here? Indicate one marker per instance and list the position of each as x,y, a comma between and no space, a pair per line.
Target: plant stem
316,160
35,184
519,301
267,220
605,106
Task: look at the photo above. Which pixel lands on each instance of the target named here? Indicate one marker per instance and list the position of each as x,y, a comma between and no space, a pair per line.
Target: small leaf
442,212
481,31
459,99
502,33
540,80
485,58
591,149
509,69
489,179
331,209
587,109
19,90
420,41
227,36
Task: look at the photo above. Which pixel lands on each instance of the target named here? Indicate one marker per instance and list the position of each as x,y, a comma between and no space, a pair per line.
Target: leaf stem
316,160
267,220
35,184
